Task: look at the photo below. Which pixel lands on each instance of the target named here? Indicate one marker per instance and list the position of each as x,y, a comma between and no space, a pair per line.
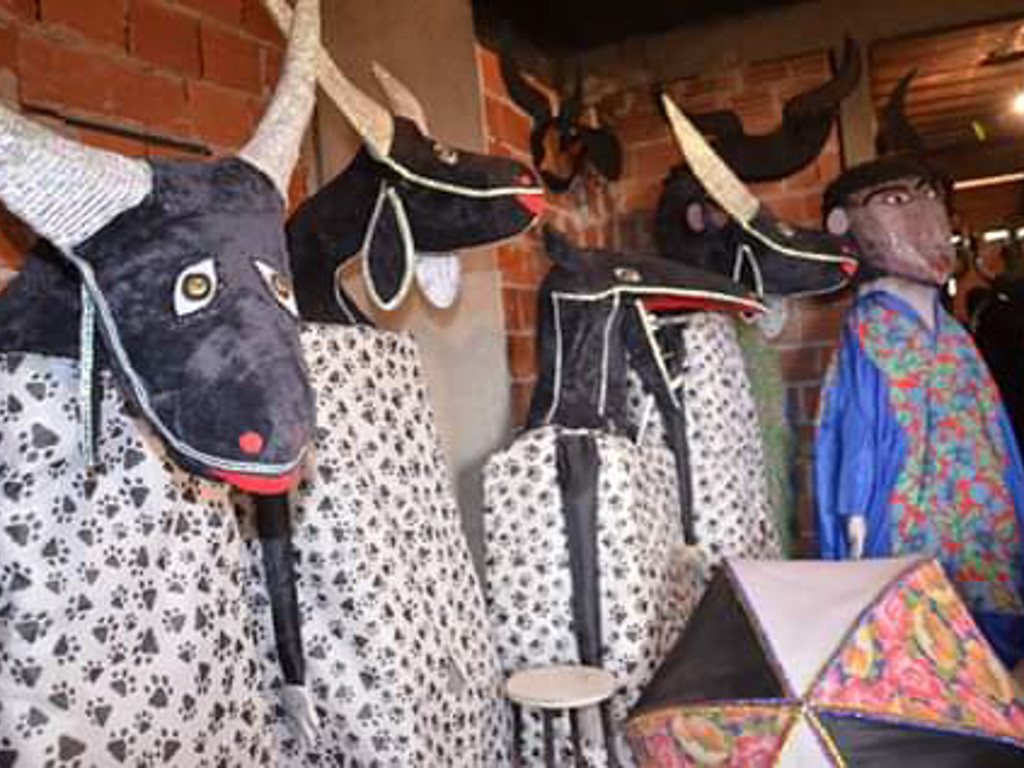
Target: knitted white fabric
64,190
275,146
369,119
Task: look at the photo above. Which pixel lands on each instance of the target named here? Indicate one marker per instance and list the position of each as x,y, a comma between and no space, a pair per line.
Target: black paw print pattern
101,596
388,594
647,589
731,507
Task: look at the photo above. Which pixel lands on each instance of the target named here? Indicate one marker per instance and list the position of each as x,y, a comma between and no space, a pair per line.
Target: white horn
275,146
720,182
403,102
370,120
61,188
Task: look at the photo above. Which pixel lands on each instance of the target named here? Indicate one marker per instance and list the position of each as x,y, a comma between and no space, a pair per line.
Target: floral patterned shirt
914,437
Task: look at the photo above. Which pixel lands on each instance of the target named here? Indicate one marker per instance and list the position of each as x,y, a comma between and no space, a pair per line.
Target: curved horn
370,120
274,147
807,120
529,99
64,190
403,101
572,107
896,134
826,97
720,182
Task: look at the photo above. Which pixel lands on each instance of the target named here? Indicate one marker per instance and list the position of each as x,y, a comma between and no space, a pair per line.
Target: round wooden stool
554,689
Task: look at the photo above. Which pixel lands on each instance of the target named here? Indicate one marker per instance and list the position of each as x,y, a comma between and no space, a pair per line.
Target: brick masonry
195,71
622,216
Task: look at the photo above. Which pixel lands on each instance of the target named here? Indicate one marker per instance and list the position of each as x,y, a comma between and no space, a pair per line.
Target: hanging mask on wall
582,145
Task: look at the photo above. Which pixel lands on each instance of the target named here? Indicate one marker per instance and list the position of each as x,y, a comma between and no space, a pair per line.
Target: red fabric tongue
262,485
535,204
681,304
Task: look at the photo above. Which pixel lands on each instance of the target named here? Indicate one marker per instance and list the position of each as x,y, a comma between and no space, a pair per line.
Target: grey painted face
903,229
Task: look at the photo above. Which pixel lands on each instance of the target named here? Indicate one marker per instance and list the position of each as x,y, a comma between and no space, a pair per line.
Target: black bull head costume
404,202
769,256
601,312
183,270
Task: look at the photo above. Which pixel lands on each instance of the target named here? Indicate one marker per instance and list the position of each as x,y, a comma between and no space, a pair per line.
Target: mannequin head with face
895,210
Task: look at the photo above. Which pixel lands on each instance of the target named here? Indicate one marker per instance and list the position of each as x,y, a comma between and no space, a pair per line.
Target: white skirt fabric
732,515
124,625
400,660
648,584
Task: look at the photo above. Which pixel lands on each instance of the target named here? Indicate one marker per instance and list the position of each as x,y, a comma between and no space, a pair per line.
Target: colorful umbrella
870,663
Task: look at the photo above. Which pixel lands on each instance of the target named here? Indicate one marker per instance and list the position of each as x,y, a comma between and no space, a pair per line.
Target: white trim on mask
745,254
388,194
687,293
455,189
649,328
647,411
339,299
114,340
606,336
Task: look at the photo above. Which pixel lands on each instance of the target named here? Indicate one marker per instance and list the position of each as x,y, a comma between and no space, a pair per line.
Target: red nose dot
251,443
849,267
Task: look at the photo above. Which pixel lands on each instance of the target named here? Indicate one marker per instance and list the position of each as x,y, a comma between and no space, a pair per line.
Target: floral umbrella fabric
872,663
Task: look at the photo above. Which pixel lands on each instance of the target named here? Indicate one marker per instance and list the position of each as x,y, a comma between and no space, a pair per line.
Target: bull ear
64,190
389,253
274,147
837,222
695,218
370,120
403,102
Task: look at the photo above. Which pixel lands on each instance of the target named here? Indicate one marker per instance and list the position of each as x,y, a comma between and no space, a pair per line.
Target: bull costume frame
121,561
591,408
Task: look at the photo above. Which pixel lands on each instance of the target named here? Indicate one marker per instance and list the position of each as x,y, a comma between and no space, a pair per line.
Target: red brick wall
583,213
197,71
623,217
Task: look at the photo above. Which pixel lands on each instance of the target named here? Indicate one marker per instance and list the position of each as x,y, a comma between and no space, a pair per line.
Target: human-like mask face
902,228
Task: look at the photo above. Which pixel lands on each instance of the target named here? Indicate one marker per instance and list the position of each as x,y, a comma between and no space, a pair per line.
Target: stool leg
577,747
517,736
549,738
609,736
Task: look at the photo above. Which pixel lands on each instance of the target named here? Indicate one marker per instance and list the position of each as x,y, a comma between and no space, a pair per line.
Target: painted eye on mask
445,154
279,286
195,287
896,198
627,275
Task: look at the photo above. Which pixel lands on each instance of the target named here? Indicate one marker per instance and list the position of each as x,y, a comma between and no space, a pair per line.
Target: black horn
896,133
807,121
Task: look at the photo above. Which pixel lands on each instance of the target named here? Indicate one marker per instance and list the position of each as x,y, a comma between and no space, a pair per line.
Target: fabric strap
87,381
